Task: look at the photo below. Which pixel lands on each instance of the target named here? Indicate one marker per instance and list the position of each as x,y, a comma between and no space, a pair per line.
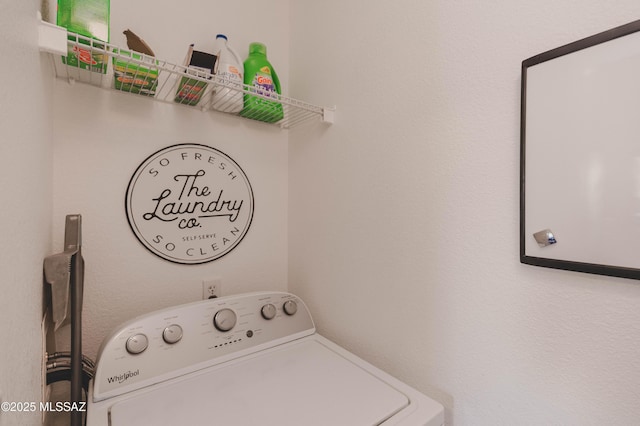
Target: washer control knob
172,334
224,319
137,344
268,311
290,307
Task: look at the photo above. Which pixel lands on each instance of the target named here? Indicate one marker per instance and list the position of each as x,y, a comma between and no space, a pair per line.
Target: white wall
25,188
402,218
101,138
403,235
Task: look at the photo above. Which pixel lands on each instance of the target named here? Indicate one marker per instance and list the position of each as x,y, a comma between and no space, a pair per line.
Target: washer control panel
175,341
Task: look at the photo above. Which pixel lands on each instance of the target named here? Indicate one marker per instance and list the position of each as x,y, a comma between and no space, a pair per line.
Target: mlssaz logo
123,377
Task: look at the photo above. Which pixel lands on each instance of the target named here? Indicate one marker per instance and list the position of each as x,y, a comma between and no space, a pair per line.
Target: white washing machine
243,360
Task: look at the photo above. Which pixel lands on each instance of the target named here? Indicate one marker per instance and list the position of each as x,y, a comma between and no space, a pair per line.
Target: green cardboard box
135,73
190,91
90,20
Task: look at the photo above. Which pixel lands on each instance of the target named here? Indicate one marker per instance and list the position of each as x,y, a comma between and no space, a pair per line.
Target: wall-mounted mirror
580,155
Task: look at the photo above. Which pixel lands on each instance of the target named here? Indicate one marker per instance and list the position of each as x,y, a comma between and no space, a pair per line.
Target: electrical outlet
212,288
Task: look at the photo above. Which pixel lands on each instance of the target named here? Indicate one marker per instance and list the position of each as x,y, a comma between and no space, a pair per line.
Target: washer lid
300,383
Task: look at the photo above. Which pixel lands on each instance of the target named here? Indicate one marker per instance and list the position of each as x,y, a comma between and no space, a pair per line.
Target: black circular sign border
132,225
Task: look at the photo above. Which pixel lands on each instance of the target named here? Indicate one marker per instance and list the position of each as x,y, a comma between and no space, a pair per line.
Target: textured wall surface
25,188
404,214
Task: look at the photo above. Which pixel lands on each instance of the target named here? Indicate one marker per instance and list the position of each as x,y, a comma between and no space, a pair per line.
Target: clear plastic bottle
260,75
228,66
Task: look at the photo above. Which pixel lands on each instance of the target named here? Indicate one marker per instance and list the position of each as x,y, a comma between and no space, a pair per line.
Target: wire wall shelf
101,64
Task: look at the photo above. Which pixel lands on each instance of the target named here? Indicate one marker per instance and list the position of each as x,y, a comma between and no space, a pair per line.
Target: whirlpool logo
121,378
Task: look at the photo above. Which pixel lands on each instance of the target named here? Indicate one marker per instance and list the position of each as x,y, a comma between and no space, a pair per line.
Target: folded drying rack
65,272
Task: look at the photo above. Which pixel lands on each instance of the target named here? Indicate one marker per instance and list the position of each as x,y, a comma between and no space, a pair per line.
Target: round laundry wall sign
189,203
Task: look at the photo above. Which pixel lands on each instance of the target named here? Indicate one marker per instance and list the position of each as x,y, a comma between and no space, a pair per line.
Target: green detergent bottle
263,80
